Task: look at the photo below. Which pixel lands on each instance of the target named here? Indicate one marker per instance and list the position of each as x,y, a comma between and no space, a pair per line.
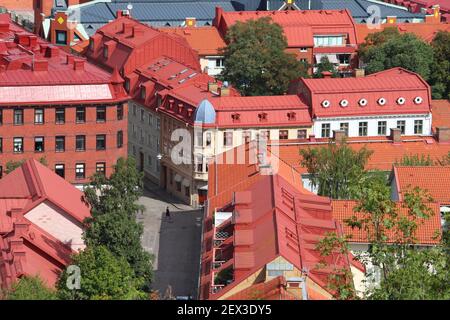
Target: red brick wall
70,129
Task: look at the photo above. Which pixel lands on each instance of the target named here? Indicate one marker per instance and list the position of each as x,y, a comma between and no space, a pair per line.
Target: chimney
4,25
443,134
33,41
358,73
391,19
127,27
190,22
339,135
326,74
78,64
138,31
213,87
40,65
224,91
396,135
52,52
70,59
435,17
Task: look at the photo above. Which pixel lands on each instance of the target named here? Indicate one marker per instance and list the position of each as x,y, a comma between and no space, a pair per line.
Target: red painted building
58,106
41,223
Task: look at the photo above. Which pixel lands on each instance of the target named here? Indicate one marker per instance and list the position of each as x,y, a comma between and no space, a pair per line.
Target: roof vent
362,102
326,103
382,101
401,101
418,100
343,103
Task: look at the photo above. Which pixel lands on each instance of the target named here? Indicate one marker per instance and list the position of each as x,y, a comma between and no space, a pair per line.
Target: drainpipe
304,291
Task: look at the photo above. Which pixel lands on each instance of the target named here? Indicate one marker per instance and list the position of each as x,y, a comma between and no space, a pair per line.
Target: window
120,112
219,63
105,52
100,167
80,170
59,170
301,134
325,130
418,126
264,135
61,37
100,143
91,44
1,172
81,114
1,117
134,110
38,116
382,128
178,184
208,139
328,41
101,114
199,139
283,134
187,191
127,85
60,143
60,115
1,144
344,127
303,49
343,58
39,144
143,93
228,139
18,116
80,143
362,129
199,164
142,115
18,145
401,126
119,139
246,136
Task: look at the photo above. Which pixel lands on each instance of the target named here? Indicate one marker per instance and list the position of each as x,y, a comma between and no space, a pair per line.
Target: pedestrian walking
168,214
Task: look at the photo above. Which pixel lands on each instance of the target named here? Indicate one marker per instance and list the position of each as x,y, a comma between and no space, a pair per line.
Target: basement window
61,37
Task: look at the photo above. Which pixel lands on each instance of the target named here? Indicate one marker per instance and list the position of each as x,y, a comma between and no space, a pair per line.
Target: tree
13,165
407,272
440,69
255,59
113,224
335,168
325,65
415,160
340,280
388,49
103,277
30,288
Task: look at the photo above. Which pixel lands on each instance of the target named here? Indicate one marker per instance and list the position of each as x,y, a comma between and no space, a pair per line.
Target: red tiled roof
434,179
425,31
390,85
36,252
205,40
441,113
32,70
385,153
425,234
319,21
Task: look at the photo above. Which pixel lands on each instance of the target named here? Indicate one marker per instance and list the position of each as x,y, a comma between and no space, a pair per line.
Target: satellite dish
129,6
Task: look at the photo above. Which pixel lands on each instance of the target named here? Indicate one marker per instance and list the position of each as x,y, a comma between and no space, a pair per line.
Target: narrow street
174,242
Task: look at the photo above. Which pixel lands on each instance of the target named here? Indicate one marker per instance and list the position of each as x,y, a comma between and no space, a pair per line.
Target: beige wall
57,223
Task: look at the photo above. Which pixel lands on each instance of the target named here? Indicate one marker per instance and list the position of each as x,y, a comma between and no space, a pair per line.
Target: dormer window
127,85
291,115
262,116
235,116
105,52
180,107
91,44
143,93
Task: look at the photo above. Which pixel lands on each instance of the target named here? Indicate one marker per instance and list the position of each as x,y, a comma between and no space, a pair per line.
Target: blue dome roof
205,112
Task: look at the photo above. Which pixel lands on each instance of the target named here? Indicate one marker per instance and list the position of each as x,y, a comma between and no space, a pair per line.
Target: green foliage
340,281
13,165
113,224
335,168
440,71
444,161
255,59
103,277
415,160
325,65
388,49
30,288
